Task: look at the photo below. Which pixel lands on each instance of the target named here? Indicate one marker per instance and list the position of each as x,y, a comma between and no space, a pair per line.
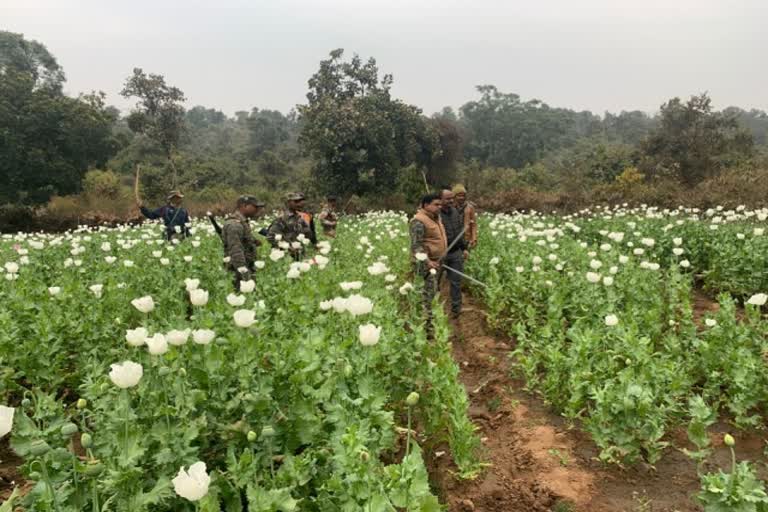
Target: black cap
243,200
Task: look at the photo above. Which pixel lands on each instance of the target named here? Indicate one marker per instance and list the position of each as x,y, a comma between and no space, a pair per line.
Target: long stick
465,276
136,184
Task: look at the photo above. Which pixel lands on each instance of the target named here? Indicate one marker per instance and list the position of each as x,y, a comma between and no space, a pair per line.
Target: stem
49,484
94,497
126,401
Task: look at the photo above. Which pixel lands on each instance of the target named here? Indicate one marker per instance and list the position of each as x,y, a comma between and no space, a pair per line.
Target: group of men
293,228
443,232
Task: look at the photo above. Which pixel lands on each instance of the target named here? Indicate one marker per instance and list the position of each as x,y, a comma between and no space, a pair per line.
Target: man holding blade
457,247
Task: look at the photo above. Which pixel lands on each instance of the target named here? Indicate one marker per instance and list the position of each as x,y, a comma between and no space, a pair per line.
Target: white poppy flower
710,322
235,300
191,284
351,285
758,299
198,297
326,305
193,484
593,277
126,374
203,336
157,344
136,337
247,286
176,337
97,290
293,273
359,305
6,419
54,290
244,317
421,256
611,320
369,334
144,304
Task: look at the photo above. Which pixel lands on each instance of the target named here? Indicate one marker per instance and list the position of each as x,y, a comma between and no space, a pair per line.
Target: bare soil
538,462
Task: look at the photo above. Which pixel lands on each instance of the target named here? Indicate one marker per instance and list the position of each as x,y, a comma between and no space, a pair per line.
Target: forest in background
65,158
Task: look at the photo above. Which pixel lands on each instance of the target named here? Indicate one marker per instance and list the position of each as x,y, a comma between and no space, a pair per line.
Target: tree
30,58
268,129
507,132
692,142
47,140
359,136
159,114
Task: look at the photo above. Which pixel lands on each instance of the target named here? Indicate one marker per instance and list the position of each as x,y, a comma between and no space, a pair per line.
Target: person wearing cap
174,216
239,244
468,211
328,217
308,218
291,230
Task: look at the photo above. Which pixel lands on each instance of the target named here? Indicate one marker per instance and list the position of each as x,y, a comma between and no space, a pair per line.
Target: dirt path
536,462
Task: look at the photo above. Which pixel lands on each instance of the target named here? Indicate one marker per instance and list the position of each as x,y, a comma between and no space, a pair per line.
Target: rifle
216,226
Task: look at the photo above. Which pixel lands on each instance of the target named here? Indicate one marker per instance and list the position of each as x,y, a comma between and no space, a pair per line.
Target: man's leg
455,260
428,294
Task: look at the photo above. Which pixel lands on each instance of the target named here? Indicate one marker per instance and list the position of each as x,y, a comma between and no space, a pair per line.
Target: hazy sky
583,54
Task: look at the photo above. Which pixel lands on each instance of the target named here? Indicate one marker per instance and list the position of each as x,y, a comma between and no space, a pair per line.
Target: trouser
428,294
454,260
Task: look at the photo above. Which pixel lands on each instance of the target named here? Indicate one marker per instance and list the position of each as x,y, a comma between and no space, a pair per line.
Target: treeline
350,137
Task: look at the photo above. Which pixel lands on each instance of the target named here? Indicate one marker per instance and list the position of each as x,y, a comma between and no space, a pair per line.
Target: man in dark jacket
174,216
454,232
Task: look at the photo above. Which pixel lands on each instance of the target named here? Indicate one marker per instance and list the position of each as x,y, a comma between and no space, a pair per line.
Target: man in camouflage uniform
290,229
428,245
329,218
239,244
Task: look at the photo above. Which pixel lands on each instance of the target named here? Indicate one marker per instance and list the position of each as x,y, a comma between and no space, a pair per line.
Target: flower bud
729,440
86,440
364,456
68,429
82,403
413,399
251,436
267,432
25,402
182,372
39,447
163,371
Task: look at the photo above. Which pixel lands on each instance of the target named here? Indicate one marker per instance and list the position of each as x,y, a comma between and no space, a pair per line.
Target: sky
598,55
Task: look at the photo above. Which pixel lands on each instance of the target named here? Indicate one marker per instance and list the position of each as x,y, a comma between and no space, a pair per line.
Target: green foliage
159,114
358,135
49,140
104,184
692,142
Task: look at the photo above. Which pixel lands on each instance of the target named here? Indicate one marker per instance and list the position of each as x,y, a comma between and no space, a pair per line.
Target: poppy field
134,377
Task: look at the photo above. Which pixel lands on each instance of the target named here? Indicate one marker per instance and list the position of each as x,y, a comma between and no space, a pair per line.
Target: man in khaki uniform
329,217
468,211
428,246
239,244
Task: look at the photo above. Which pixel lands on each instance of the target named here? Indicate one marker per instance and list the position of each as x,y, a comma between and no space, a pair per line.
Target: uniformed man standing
428,246
286,230
239,244
329,218
468,211
174,216
454,231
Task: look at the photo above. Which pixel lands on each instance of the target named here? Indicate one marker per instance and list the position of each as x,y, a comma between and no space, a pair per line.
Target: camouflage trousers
427,296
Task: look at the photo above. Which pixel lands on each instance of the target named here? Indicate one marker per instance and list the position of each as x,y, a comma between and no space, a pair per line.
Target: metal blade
465,276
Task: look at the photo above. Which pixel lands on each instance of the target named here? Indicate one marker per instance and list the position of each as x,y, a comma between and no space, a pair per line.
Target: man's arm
151,214
325,221
276,228
232,236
